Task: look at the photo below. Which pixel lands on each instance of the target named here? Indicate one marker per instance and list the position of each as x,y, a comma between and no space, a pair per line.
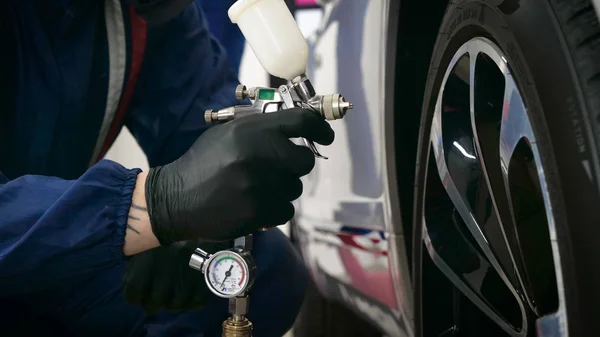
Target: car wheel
507,186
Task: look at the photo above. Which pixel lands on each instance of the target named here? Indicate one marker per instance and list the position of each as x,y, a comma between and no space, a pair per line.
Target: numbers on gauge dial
227,274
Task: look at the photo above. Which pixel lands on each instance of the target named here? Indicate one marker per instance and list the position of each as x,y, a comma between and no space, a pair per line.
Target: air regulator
230,274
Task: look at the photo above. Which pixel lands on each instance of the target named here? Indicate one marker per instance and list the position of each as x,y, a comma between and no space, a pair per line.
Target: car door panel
342,216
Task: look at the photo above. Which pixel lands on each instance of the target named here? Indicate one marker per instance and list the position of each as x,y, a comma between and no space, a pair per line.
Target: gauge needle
227,274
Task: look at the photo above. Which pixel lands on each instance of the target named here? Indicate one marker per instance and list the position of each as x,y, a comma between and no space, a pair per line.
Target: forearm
139,236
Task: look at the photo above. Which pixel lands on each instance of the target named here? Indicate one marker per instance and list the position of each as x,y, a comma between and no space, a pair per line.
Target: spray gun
299,93
278,43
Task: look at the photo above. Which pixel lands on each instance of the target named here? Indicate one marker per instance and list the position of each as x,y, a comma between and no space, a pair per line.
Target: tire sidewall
528,35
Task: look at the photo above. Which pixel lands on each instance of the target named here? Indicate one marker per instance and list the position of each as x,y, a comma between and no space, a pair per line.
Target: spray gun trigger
314,149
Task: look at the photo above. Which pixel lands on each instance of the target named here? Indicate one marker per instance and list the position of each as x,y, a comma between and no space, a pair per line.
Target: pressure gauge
228,273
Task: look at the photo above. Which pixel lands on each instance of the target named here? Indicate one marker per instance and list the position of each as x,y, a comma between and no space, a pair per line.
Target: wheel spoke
464,283
515,125
487,87
516,134
491,105
463,207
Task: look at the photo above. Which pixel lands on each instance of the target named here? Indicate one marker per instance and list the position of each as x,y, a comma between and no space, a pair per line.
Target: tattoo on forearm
139,208
133,217
133,228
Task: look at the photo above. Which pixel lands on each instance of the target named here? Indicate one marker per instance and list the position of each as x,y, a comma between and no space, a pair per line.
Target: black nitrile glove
235,178
161,278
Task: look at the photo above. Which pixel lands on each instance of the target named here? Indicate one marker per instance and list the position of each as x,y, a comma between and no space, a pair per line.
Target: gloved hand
160,278
236,178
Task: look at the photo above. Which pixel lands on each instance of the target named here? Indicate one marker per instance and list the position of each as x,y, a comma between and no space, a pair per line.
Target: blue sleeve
227,33
185,72
55,231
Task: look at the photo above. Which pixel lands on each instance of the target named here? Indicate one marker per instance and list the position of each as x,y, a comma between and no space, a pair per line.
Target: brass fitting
237,326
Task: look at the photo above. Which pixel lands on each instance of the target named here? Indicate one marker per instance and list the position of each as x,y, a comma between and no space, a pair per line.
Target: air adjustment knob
198,258
208,116
240,92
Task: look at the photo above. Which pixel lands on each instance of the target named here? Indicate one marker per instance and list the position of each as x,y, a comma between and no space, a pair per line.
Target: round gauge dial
227,274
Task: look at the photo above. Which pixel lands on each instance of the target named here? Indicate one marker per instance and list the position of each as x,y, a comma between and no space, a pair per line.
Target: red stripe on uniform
138,47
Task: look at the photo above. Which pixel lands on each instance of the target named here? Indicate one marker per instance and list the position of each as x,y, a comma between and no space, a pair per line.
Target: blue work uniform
226,32
75,71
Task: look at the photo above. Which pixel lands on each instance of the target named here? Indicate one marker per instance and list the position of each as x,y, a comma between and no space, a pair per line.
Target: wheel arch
412,31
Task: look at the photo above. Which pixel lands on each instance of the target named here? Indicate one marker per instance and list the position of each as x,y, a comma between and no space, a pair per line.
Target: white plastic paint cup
273,35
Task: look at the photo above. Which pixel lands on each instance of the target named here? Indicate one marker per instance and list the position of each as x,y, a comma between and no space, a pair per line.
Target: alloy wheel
488,225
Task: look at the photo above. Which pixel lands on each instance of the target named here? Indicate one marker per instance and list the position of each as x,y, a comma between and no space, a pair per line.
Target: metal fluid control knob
335,106
331,107
241,92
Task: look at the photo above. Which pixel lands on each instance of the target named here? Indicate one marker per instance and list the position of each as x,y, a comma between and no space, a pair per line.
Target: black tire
320,317
553,52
